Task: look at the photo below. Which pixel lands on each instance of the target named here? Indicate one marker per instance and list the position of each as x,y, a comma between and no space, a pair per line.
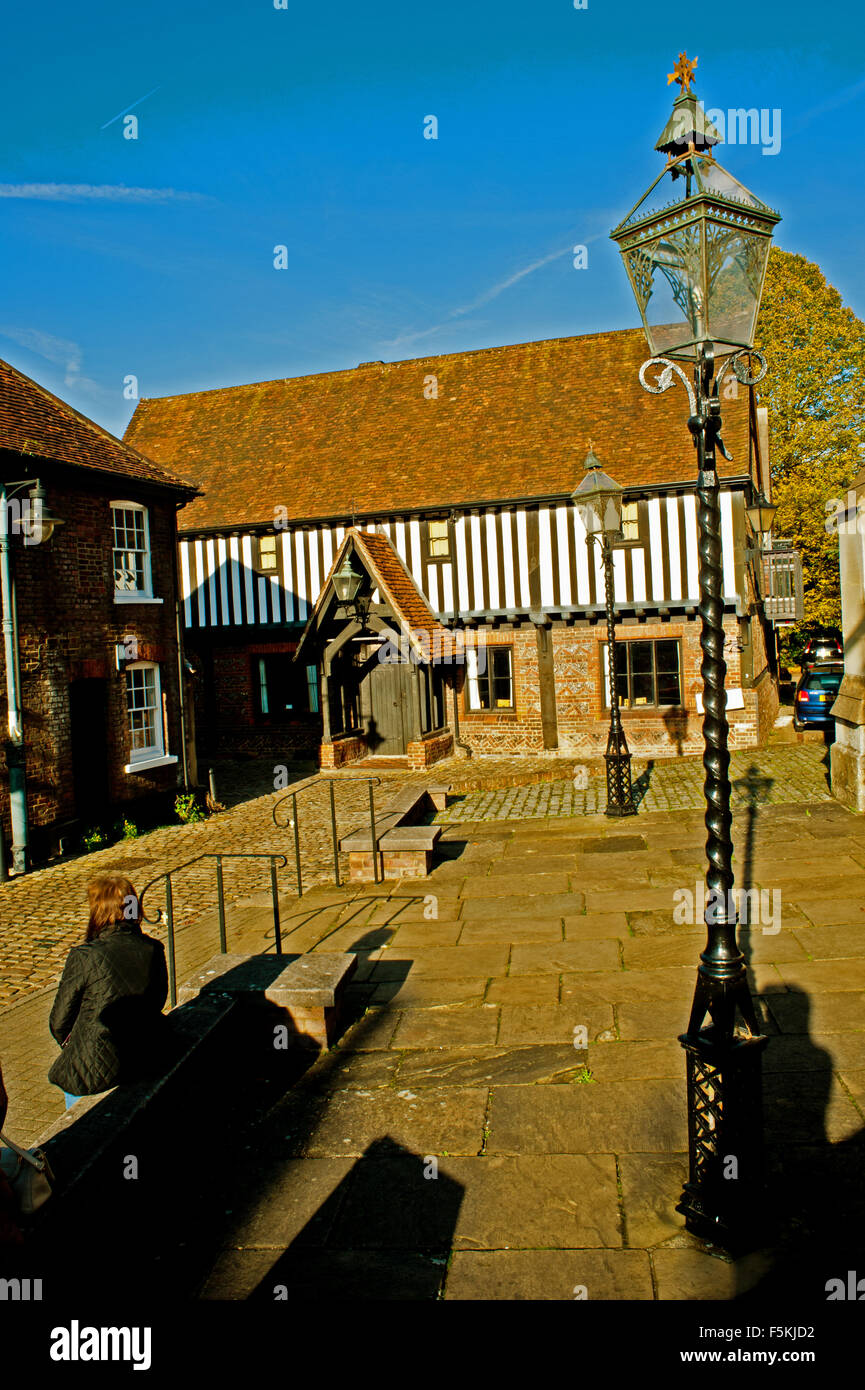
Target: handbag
28,1173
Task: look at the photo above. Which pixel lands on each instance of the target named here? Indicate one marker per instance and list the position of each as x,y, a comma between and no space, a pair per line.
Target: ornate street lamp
695,248
347,583
598,501
761,514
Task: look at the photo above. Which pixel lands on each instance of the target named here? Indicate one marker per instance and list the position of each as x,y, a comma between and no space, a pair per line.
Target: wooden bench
403,848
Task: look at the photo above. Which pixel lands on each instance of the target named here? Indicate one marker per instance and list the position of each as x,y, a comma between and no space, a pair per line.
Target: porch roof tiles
387,573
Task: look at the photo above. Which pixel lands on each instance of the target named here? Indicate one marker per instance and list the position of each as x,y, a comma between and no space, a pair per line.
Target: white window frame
145,594
154,755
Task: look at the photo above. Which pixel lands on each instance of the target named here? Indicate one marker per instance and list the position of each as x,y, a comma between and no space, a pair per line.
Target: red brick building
96,622
463,466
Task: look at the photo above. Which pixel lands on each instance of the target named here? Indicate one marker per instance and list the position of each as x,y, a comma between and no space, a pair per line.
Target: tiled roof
506,423
390,576
32,421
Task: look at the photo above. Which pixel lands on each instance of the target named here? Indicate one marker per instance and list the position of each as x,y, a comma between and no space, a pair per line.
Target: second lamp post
598,501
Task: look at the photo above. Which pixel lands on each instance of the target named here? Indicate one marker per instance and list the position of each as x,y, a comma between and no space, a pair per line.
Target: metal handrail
220,897
294,823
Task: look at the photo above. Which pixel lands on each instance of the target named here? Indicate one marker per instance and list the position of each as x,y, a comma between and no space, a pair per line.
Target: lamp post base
620,796
721,1199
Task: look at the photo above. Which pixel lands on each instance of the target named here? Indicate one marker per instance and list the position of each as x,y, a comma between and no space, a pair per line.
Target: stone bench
309,988
403,848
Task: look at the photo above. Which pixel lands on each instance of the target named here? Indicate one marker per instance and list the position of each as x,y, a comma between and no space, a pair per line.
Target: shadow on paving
814,1198
814,1207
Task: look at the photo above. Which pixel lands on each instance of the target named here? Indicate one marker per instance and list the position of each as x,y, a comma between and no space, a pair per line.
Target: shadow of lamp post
695,248
598,500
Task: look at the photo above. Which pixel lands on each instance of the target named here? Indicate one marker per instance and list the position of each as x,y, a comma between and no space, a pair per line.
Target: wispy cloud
101,192
492,293
840,98
61,352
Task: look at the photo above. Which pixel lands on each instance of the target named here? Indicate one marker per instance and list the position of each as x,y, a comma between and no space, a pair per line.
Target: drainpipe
181,696
15,746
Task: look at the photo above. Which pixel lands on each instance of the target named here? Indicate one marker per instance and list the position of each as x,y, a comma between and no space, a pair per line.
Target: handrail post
333,832
169,921
372,834
220,898
277,935
297,845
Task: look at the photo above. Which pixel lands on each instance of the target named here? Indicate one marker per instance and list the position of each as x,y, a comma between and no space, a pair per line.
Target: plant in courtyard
126,830
584,1077
94,838
188,808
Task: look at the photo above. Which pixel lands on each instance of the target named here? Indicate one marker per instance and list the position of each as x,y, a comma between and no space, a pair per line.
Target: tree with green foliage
815,394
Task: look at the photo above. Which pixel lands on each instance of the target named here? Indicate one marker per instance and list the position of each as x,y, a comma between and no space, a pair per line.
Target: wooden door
387,719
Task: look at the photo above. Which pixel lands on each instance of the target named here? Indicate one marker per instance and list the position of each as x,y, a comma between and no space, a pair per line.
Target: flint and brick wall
582,718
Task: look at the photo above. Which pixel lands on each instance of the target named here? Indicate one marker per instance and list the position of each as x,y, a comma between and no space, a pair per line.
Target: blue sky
304,127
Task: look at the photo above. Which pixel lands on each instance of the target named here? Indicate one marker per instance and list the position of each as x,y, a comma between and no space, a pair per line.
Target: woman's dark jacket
108,1011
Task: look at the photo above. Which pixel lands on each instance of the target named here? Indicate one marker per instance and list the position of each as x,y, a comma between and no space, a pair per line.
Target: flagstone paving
507,1117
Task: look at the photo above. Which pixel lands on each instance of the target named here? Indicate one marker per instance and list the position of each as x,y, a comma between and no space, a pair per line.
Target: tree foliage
815,393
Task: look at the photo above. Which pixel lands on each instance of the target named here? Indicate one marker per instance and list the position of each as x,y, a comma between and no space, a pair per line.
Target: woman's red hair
113,901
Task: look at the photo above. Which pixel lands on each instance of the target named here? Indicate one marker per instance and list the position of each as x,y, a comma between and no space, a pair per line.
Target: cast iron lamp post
695,250
598,501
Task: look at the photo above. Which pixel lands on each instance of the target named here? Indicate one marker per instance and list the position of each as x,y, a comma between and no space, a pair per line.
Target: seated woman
107,1015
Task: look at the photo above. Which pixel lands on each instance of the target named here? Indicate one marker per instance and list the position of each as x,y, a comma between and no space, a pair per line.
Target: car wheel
798,725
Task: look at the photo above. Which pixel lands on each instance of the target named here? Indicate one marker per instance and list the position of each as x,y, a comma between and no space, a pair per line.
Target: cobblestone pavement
783,774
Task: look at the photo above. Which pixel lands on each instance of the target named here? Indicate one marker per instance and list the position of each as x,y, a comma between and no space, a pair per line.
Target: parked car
823,646
815,695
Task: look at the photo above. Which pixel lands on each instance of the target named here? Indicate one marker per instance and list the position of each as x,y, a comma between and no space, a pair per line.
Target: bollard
211,781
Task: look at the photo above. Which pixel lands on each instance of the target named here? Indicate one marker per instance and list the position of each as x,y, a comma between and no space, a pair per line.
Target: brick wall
423,752
69,626
226,715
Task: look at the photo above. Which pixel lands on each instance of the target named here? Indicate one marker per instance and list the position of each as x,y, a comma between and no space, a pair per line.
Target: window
631,521
132,578
647,674
491,687
438,543
143,709
264,555
283,689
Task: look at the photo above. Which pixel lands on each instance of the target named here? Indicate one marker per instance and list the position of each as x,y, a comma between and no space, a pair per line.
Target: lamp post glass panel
598,500
695,249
